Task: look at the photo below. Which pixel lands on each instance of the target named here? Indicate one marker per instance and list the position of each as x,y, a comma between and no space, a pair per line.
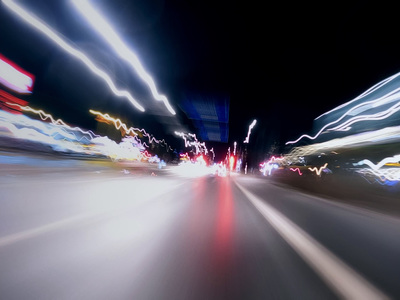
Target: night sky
282,64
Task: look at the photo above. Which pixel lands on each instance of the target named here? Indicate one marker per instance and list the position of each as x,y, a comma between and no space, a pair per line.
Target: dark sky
282,64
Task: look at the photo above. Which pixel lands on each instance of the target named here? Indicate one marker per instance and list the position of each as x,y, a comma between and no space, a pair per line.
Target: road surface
105,233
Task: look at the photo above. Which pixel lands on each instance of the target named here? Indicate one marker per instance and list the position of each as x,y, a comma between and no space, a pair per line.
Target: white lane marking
345,281
30,233
75,220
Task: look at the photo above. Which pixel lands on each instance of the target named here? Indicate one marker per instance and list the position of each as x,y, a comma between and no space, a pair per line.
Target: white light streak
388,97
246,141
344,126
391,174
98,22
118,124
387,160
45,116
200,147
212,151
42,27
366,93
372,117
22,127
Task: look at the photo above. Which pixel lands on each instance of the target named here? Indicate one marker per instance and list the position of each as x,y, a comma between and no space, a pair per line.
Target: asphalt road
105,233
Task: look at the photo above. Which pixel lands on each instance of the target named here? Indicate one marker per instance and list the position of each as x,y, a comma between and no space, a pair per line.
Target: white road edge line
345,281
